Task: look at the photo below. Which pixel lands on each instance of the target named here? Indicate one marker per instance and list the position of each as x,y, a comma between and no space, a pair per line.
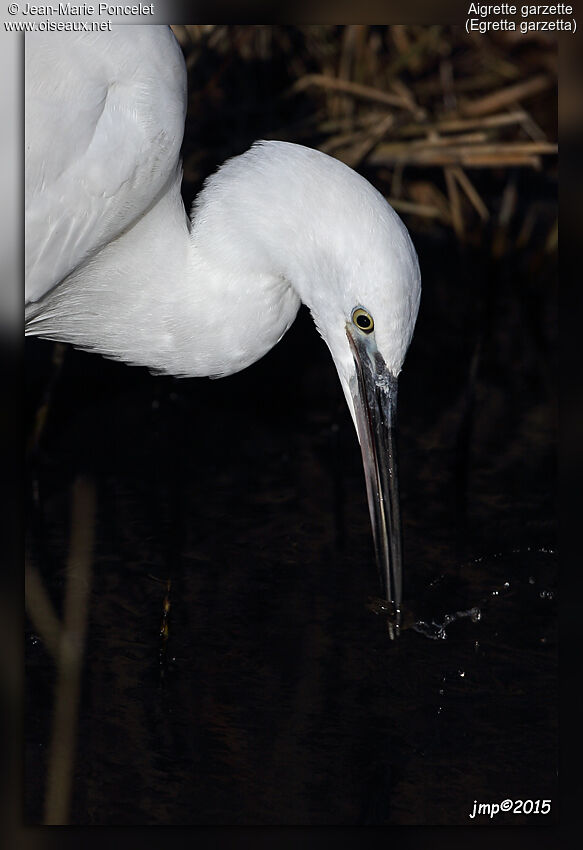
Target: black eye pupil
363,322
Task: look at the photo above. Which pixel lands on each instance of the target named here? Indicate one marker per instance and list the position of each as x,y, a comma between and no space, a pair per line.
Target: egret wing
103,132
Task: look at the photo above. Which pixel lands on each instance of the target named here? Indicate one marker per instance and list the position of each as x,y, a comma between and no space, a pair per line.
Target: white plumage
114,265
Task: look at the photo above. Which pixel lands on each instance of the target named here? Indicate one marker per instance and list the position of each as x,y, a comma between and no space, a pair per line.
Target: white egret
114,265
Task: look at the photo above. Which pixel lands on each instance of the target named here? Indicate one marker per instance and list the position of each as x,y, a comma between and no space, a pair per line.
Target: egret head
367,318
320,226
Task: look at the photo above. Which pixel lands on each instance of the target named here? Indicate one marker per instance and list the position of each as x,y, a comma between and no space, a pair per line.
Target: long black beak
374,394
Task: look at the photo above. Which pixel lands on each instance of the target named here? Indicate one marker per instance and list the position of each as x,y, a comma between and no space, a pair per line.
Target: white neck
161,296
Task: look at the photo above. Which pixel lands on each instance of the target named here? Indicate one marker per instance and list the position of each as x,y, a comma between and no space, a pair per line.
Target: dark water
279,698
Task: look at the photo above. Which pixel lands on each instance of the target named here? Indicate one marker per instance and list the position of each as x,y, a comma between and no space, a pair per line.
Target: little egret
114,265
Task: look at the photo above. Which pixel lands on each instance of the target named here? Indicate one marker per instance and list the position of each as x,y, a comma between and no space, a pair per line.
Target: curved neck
163,297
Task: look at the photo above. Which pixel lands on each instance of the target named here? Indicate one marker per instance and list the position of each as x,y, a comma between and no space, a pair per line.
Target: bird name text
486,17
484,10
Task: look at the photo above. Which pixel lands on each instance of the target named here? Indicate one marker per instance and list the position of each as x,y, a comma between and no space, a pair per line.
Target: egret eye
363,320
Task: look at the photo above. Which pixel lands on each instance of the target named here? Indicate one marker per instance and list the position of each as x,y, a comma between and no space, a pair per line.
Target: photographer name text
86,9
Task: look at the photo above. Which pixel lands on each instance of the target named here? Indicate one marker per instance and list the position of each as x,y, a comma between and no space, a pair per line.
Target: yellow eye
363,320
